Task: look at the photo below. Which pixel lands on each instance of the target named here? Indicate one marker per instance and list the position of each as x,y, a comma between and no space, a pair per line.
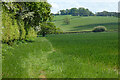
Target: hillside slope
79,23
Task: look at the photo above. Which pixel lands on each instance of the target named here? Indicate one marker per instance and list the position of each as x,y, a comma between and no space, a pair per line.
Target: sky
92,5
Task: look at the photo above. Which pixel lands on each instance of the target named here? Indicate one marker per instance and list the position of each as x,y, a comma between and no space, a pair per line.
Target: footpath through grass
26,60
83,55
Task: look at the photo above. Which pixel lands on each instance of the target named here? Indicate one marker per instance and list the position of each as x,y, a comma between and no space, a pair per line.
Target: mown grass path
27,60
85,55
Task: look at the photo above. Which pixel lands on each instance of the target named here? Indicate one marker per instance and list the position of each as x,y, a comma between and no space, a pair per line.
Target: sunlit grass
88,55
79,23
83,55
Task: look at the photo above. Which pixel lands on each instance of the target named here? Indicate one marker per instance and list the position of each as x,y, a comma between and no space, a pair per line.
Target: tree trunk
43,34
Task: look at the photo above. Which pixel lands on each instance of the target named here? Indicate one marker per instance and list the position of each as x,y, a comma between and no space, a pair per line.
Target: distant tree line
77,12
85,12
106,13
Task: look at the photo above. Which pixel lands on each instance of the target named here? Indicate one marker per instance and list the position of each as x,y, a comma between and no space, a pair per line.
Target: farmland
79,23
73,43
77,55
83,55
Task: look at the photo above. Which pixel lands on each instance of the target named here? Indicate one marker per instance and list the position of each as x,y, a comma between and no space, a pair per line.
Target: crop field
81,55
79,23
39,43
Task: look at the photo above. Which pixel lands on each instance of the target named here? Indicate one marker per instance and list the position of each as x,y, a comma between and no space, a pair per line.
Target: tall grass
83,55
86,55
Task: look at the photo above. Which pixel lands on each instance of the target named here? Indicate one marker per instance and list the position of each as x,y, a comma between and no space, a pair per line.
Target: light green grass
26,60
83,55
79,23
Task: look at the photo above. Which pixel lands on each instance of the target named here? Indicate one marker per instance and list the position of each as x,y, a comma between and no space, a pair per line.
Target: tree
67,12
32,13
62,12
67,20
47,28
27,16
74,11
77,12
106,13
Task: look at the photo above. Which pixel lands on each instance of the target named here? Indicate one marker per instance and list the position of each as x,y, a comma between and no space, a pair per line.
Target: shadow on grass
92,26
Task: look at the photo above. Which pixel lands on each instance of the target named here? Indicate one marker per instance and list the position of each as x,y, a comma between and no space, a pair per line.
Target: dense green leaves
48,28
10,29
76,12
106,13
20,19
99,29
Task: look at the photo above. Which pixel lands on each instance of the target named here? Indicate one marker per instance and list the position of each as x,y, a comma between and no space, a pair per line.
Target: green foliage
16,33
99,29
74,11
10,29
19,19
6,24
48,28
106,13
58,31
77,12
31,34
86,12
22,31
66,20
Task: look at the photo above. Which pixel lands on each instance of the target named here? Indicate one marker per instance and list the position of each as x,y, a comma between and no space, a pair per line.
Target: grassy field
26,60
79,23
83,55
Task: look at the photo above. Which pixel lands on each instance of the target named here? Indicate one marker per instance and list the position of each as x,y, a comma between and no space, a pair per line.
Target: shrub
10,29
31,34
22,31
99,29
15,29
47,28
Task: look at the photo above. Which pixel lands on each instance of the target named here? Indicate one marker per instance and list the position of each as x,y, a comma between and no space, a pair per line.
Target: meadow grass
83,55
79,23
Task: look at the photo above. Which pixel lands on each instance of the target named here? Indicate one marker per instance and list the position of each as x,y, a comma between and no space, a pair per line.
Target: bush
31,34
22,31
99,29
47,28
10,29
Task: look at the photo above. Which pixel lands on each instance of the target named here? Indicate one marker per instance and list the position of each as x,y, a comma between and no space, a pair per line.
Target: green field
77,55
38,43
79,23
83,55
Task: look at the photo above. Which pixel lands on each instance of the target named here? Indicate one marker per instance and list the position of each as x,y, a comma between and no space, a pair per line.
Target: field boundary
84,32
